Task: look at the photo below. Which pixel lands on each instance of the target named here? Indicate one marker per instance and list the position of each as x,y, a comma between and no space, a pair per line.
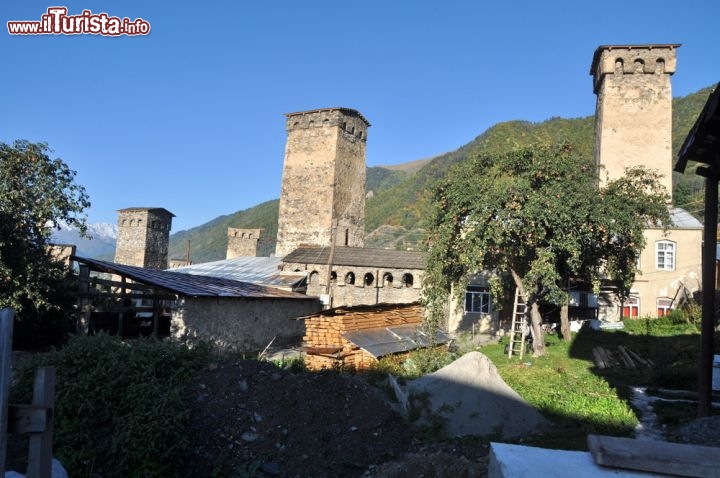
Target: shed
234,315
356,337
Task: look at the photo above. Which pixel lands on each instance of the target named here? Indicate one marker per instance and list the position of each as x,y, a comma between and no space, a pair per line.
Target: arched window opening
350,278
639,66
660,65
387,280
407,280
619,66
333,277
314,278
369,279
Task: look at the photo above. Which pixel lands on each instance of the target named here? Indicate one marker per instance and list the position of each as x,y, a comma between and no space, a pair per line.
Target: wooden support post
41,444
6,331
708,288
83,301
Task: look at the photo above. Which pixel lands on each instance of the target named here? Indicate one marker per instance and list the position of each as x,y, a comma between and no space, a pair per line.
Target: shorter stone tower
242,242
633,119
143,237
323,185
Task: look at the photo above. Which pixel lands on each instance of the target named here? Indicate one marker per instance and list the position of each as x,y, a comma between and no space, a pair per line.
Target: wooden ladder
518,326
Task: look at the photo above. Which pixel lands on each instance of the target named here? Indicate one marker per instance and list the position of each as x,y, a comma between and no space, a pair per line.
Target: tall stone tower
242,242
143,237
323,180
634,109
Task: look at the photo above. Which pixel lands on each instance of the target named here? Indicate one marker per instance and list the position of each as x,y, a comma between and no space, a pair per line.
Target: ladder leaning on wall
518,326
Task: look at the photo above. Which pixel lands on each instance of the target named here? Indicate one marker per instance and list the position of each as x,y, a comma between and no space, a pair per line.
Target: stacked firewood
325,346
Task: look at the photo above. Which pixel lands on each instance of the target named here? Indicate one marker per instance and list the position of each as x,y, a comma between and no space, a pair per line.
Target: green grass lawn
567,387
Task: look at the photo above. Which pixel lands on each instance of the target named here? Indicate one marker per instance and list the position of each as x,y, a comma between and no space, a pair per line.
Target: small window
665,254
407,280
314,278
664,307
387,280
369,279
333,277
347,236
477,300
350,278
631,307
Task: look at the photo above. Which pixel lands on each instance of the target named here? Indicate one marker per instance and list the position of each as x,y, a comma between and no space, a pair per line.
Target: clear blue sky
190,117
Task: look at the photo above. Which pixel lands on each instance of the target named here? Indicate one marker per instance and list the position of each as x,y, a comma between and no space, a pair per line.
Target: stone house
633,127
358,275
234,315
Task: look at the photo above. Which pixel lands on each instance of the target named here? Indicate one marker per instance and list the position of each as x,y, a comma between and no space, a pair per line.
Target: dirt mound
471,398
250,417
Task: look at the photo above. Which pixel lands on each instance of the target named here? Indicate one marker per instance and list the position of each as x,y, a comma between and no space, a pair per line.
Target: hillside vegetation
399,194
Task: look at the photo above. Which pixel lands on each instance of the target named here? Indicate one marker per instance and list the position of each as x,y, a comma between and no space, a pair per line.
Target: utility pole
331,258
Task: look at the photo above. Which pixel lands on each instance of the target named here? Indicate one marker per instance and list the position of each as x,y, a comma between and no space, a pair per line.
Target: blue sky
190,117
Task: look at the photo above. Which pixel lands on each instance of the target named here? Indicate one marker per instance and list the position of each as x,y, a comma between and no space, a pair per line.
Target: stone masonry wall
143,237
634,109
244,325
242,242
323,177
353,285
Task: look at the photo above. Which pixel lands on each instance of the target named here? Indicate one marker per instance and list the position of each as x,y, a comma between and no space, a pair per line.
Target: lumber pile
623,356
325,347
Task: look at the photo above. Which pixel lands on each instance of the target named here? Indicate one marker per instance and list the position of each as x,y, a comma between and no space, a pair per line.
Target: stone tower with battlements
634,109
323,185
242,242
143,237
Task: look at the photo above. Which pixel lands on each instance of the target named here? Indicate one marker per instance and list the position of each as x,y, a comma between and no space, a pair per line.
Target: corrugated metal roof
257,270
191,285
682,219
391,340
358,256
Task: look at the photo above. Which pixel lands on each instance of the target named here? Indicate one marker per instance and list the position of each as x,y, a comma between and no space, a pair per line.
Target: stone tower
143,237
634,109
242,242
323,180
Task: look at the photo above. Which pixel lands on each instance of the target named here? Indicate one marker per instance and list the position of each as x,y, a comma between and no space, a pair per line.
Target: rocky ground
252,419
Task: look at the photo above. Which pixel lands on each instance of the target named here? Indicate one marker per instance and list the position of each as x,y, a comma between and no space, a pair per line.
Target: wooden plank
6,332
41,444
655,456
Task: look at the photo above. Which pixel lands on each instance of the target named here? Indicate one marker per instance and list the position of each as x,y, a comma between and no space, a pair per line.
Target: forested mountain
395,208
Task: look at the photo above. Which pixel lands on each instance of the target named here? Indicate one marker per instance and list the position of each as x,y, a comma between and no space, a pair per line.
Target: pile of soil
251,418
472,399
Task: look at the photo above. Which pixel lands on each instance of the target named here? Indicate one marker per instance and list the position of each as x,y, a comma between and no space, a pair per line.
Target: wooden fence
35,419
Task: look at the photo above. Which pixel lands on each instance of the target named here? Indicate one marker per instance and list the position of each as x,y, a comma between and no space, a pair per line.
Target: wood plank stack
325,346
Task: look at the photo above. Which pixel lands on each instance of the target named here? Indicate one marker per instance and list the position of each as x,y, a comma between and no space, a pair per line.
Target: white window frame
665,255
664,304
480,300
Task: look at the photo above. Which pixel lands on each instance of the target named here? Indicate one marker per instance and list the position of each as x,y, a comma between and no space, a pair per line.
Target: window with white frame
631,307
664,307
665,255
477,300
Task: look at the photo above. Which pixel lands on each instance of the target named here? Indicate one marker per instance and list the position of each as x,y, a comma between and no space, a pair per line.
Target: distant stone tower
143,237
323,179
242,242
634,109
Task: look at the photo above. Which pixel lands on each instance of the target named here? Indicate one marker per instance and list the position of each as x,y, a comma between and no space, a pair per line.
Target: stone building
242,242
358,275
143,237
633,127
634,108
323,185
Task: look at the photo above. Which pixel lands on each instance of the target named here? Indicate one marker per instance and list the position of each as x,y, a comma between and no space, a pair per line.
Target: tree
36,194
538,215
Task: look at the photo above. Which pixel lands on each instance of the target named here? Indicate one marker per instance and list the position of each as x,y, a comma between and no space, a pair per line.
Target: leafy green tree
36,193
537,214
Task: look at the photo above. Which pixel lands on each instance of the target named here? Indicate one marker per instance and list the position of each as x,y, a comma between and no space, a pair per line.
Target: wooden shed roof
191,285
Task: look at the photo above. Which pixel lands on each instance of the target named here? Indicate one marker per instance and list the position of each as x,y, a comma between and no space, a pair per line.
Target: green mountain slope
399,195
